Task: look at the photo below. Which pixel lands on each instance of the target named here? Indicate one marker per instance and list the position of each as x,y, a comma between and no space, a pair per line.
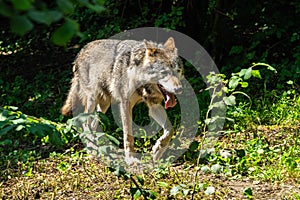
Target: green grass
263,163
258,157
268,169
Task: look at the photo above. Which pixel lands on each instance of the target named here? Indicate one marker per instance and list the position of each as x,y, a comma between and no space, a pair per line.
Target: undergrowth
255,156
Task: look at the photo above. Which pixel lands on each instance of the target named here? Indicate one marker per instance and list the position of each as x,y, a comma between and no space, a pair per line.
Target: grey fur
126,72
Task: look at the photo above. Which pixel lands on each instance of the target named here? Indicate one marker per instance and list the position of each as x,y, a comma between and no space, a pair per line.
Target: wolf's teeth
167,101
168,98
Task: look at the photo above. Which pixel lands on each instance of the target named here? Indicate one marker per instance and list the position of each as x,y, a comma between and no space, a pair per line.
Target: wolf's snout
178,90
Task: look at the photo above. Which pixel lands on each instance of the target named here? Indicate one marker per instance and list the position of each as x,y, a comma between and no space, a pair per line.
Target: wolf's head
162,66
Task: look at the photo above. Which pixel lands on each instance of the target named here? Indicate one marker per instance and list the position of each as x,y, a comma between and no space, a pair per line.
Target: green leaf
256,74
209,190
99,2
290,82
272,69
220,105
175,190
229,119
134,191
207,121
212,126
229,101
5,10
13,107
248,73
205,169
39,130
20,24
21,4
63,166
114,140
140,179
65,6
54,15
3,123
20,127
162,184
225,89
96,8
104,120
244,84
29,173
185,192
18,121
295,37
64,34
242,72
6,129
45,17
216,168
236,50
137,194
233,83
126,175
6,142
269,67
153,195
103,150
55,138
250,55
200,186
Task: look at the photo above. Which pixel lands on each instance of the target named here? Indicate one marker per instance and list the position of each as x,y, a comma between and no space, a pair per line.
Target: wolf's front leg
127,129
158,113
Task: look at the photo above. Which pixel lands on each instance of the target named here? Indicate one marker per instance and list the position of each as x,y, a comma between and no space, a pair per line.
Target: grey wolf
127,72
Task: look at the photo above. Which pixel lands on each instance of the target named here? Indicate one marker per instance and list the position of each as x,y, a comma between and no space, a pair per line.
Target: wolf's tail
72,99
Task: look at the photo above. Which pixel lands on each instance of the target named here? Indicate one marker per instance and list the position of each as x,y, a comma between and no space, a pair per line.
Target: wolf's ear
148,44
150,49
170,45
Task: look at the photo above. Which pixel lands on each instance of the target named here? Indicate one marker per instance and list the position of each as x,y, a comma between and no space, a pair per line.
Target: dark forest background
41,38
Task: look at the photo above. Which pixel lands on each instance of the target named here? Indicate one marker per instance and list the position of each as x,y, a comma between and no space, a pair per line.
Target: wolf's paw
157,152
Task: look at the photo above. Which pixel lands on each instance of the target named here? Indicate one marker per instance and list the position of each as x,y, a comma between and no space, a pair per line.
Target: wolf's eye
179,71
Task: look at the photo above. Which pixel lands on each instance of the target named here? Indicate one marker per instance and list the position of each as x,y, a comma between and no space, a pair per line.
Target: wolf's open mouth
170,100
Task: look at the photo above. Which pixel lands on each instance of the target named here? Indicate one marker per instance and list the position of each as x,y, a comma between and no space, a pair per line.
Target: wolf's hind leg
158,113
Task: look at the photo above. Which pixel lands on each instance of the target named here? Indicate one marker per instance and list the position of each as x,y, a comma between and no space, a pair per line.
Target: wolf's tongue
170,100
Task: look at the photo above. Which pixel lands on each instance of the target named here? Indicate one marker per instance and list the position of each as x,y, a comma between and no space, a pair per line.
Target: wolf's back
94,70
